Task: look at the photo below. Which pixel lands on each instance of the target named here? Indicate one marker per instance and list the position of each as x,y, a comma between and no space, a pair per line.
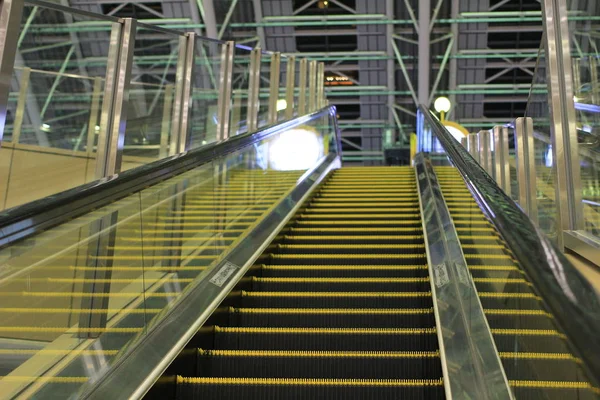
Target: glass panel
263,97
202,127
281,99
240,85
53,115
151,97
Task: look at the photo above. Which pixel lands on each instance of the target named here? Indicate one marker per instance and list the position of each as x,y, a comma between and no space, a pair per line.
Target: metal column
254,90
116,95
565,149
274,87
485,152
290,87
302,84
473,145
525,155
501,158
183,94
165,129
225,79
320,85
94,112
424,51
312,86
11,12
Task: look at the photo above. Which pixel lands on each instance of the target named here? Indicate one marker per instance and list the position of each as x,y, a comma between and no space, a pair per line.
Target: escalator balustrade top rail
568,295
26,220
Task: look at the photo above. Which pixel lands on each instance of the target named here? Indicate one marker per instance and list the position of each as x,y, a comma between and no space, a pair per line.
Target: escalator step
362,271
332,318
347,259
318,364
326,339
336,299
344,284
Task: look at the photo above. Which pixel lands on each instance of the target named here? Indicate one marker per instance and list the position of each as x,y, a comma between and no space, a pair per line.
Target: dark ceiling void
132,11
517,5
348,111
514,40
326,43
502,110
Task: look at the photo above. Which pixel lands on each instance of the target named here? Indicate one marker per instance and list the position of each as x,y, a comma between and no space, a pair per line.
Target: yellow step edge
80,294
55,329
216,221
317,203
326,222
337,294
146,257
528,332
539,313
539,356
341,280
502,280
314,209
346,267
365,229
176,247
114,280
176,238
339,331
156,231
346,256
313,382
493,268
334,311
482,246
328,354
361,215
140,268
350,246
489,256
210,218
553,385
509,295
355,237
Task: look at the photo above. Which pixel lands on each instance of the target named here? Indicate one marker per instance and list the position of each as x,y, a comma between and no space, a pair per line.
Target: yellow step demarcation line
213,221
319,230
209,218
345,256
128,268
494,268
539,356
327,331
508,295
207,239
502,280
554,385
483,246
340,280
201,210
491,230
489,256
146,257
37,310
337,294
530,313
334,311
528,332
344,267
161,231
315,203
383,222
366,195
113,280
353,237
314,209
350,246
313,382
316,354
479,237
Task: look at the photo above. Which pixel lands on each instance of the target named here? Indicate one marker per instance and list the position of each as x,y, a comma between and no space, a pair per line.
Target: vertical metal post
11,12
565,149
312,86
274,87
166,147
320,85
116,95
290,87
424,51
473,145
501,158
183,93
594,79
464,142
485,151
225,80
577,76
302,84
20,112
93,120
525,155
254,90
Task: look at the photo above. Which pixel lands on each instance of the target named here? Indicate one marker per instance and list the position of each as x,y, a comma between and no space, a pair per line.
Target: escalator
339,306
534,353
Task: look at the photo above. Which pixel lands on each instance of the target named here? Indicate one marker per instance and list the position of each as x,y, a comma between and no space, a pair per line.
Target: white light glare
97,128
442,104
45,127
296,149
281,104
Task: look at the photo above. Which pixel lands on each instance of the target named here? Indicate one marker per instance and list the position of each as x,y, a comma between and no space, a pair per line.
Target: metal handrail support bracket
274,86
470,361
225,82
183,94
501,158
526,177
312,85
290,87
569,206
473,145
303,85
254,90
113,121
485,152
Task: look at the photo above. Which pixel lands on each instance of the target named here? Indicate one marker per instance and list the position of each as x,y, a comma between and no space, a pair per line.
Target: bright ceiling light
281,104
442,104
45,127
296,149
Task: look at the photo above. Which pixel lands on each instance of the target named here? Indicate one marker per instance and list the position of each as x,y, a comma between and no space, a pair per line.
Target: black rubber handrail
22,221
567,294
